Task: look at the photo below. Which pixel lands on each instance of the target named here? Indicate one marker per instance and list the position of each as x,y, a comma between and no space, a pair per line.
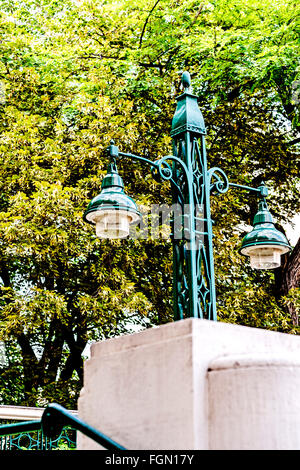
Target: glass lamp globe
264,244
112,211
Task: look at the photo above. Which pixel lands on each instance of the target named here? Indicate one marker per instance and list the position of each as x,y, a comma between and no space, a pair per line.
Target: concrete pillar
254,402
160,388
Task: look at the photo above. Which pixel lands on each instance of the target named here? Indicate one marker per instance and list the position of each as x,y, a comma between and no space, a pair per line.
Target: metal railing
52,423
36,440
33,440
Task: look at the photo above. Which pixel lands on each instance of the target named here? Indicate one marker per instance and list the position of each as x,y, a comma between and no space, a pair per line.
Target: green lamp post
192,184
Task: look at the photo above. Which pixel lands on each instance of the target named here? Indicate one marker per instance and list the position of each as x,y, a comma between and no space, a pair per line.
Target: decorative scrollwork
221,185
161,170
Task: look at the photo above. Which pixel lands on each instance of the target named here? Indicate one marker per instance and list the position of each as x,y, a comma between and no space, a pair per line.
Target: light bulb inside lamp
113,223
265,256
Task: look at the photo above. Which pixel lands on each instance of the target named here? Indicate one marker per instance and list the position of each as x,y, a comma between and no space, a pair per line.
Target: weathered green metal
36,440
28,435
193,263
187,117
112,195
194,293
262,190
194,286
264,231
54,419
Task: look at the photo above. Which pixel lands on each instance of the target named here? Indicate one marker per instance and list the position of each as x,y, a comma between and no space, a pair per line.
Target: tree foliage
76,74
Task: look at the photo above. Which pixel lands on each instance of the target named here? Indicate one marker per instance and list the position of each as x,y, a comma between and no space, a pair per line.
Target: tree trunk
287,277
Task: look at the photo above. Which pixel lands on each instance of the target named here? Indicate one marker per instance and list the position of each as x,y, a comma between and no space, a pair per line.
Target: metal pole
194,286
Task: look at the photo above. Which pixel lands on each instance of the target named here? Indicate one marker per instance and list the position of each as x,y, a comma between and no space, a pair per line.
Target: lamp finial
186,81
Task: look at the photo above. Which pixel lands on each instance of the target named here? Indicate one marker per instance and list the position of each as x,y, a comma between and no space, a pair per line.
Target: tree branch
146,22
4,274
293,142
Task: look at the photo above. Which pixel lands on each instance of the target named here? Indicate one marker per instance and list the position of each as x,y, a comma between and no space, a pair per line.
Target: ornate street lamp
112,211
264,244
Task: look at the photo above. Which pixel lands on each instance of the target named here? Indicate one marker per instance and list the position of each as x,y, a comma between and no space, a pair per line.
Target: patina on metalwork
54,419
264,231
192,183
112,195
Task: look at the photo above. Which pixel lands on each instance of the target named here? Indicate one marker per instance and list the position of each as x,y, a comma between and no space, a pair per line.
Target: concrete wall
20,413
253,402
183,386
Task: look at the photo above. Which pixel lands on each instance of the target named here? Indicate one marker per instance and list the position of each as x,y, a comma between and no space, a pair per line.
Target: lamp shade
112,211
264,244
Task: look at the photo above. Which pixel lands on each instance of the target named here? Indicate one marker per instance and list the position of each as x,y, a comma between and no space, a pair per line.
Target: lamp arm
261,190
164,170
138,158
161,169
222,185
